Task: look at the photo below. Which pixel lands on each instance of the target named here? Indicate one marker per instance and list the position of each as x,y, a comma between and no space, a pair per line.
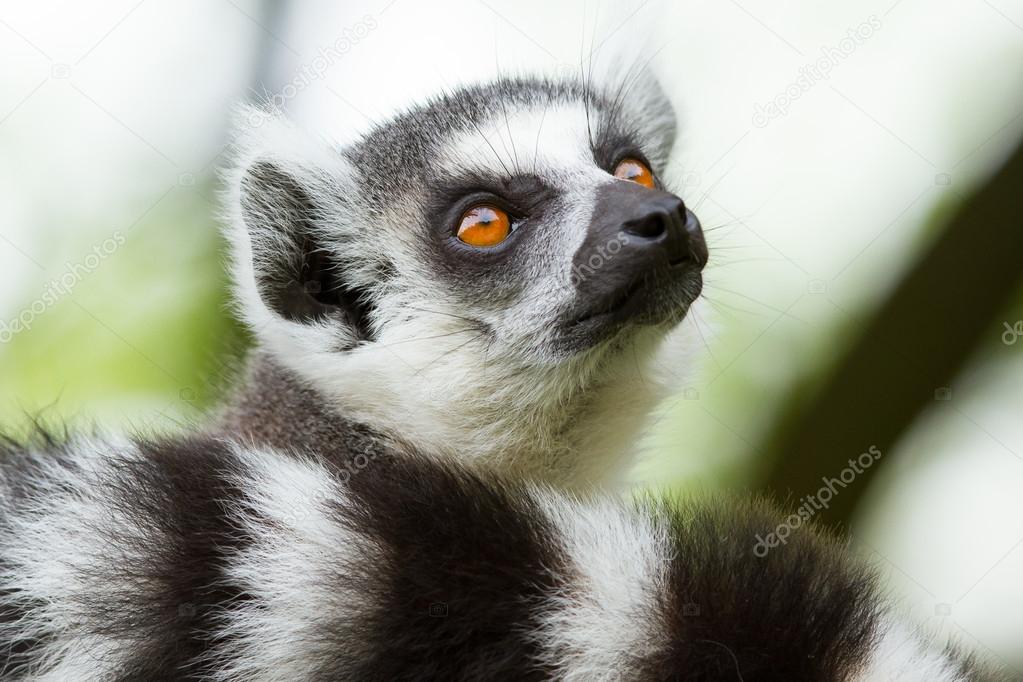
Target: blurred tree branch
911,347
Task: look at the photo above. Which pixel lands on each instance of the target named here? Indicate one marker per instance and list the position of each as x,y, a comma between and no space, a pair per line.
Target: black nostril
650,226
663,217
650,230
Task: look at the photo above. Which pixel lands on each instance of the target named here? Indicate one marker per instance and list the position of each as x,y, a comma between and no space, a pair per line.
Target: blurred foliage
950,301
732,436
137,336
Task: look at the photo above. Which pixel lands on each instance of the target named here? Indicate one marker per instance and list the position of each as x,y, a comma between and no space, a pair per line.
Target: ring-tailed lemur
455,318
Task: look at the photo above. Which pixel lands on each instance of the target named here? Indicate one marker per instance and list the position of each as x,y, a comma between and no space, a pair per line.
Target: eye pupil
484,226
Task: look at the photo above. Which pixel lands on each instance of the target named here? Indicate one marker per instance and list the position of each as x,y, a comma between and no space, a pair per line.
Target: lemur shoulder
459,320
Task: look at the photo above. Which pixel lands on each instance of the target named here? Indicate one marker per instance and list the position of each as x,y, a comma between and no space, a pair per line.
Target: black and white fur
200,558
402,486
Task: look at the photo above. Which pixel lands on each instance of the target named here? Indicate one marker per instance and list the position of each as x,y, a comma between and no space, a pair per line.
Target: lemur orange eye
635,170
484,226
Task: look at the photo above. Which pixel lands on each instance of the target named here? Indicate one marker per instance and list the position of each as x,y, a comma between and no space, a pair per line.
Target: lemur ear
651,107
628,37
286,194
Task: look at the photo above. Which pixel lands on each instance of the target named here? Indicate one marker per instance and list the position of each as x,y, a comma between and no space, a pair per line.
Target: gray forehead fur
405,149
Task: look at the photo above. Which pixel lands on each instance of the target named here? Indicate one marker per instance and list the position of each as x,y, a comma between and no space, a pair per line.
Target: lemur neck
578,438
273,407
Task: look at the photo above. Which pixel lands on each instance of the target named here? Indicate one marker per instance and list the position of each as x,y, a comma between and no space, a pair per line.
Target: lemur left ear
648,104
286,196
628,39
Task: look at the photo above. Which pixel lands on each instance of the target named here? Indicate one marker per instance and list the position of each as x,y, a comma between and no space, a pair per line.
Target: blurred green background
857,296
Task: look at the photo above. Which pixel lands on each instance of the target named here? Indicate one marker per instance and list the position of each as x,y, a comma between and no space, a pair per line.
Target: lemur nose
637,231
663,222
640,241
658,220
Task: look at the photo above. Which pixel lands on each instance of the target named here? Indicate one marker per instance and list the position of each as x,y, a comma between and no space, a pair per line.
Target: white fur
298,547
594,628
909,656
57,547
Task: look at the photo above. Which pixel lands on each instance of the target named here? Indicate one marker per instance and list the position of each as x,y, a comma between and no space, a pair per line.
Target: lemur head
479,273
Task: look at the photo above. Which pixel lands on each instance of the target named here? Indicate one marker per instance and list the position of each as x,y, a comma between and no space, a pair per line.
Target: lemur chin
459,320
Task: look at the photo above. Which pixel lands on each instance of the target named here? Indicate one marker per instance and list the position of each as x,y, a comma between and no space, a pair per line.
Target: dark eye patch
612,145
526,198
520,194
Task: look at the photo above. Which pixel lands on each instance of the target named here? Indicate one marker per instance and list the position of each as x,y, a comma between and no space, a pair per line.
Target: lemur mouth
653,297
618,305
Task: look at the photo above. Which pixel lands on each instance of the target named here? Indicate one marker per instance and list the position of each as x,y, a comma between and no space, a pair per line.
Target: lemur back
200,558
462,321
